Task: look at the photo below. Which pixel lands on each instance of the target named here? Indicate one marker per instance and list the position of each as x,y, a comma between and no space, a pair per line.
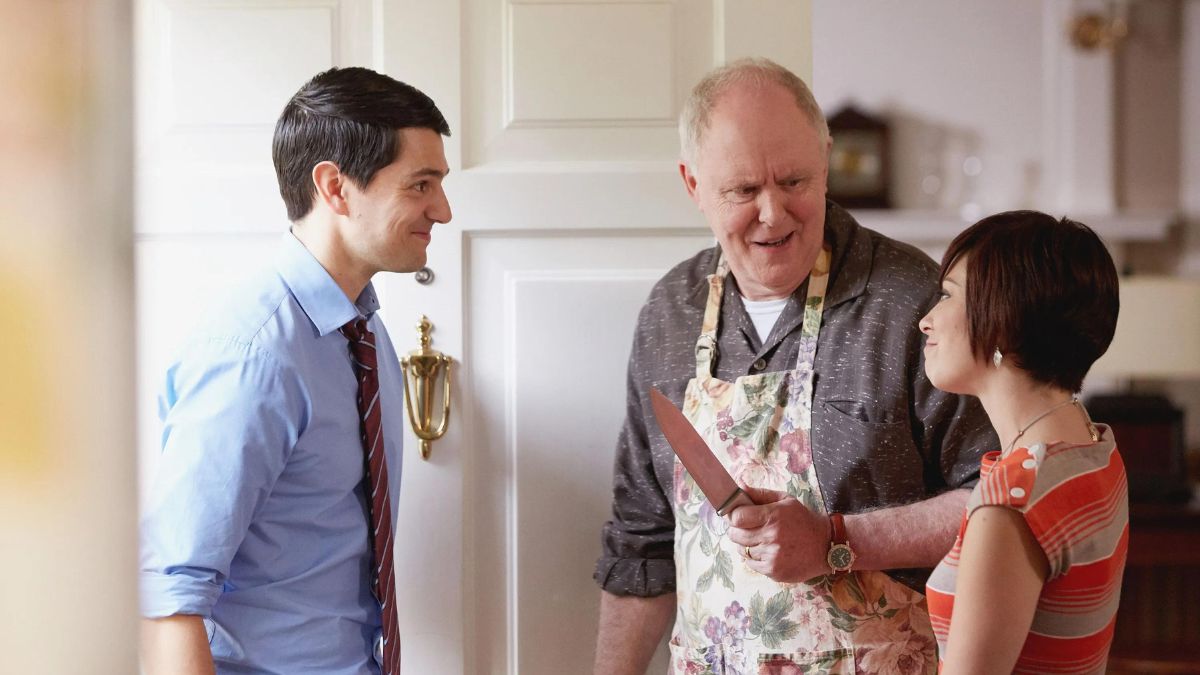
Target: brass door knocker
426,365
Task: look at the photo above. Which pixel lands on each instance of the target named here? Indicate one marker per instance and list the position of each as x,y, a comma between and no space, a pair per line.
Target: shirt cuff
164,595
642,577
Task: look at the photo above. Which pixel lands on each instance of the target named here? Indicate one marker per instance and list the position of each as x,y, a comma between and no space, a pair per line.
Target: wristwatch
840,556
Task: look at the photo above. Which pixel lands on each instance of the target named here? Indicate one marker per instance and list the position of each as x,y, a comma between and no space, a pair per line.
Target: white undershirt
764,314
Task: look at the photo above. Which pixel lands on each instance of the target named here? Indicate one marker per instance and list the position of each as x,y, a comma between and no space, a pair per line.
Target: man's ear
331,186
689,181
825,169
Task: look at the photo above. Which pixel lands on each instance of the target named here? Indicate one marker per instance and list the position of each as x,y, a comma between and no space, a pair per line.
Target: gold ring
746,550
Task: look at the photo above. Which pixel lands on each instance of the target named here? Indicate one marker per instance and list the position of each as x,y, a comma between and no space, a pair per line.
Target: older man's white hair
697,110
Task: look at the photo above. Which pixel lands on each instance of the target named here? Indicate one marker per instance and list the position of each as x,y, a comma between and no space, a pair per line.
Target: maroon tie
383,585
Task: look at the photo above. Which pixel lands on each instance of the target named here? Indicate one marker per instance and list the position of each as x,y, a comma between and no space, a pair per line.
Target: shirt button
1017,492
1029,464
758,365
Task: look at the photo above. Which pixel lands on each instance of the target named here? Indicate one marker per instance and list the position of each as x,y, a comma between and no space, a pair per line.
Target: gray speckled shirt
882,434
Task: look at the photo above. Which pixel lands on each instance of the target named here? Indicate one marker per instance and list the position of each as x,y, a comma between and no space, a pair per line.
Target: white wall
1190,184
1190,137
1188,394
962,76
968,76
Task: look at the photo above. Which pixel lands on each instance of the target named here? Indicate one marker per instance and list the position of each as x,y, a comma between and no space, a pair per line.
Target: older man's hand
787,541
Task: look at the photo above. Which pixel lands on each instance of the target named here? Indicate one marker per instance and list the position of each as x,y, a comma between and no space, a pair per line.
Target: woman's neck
1025,412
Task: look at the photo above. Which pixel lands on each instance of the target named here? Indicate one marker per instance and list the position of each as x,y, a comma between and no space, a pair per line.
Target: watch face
840,557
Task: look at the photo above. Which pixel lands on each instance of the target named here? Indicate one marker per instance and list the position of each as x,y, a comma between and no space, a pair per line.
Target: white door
567,207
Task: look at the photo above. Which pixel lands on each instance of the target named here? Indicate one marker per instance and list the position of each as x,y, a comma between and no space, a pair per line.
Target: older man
792,347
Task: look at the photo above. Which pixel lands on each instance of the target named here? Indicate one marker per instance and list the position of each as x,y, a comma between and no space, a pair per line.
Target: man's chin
408,265
776,282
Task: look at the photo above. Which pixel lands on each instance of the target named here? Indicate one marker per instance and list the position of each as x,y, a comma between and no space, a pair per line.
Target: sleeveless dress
1074,499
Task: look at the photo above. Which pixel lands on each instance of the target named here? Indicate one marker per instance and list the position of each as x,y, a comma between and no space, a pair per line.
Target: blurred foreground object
67,487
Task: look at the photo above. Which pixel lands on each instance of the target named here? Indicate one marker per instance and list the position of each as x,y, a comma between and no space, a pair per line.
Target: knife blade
715,482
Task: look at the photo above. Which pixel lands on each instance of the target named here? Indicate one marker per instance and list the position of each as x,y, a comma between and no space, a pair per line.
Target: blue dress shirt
256,519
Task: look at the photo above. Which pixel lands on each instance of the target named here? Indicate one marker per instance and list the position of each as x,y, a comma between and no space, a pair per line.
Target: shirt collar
315,290
852,256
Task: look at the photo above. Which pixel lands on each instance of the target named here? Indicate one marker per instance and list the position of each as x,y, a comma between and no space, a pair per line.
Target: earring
997,357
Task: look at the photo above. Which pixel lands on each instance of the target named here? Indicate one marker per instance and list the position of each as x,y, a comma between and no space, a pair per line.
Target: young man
267,538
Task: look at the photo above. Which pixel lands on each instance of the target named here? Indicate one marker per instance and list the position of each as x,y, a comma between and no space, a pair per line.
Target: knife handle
738,498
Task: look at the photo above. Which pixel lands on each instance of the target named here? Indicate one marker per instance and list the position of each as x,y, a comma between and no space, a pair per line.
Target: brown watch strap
837,525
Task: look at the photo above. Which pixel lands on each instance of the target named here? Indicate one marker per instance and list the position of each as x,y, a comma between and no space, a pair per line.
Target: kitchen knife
708,472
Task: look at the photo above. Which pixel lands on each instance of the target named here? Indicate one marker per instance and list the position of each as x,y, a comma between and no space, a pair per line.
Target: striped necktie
383,584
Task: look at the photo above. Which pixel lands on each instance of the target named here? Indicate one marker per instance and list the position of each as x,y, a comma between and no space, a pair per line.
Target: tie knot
355,330
362,342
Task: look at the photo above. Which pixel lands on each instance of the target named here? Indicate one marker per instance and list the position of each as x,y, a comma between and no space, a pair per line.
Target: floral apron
732,620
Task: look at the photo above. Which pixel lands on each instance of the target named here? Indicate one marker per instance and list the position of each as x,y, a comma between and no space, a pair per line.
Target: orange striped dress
1074,499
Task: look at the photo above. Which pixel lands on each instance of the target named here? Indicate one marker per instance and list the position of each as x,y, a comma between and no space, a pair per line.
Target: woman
1028,303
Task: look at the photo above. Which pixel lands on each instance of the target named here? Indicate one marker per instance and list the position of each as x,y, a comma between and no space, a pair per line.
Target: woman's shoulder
1073,472
1072,496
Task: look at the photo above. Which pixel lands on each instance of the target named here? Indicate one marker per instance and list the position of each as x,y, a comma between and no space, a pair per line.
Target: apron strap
814,305
706,344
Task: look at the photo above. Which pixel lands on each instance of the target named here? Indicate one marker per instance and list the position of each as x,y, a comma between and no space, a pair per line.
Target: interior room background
567,208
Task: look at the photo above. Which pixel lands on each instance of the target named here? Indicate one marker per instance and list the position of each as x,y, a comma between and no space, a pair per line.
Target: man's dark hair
1042,291
348,116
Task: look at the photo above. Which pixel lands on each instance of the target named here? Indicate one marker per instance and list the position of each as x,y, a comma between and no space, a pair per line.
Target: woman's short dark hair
1042,291
348,116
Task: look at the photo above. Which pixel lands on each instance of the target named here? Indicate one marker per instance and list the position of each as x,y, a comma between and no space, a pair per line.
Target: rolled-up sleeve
638,543
231,415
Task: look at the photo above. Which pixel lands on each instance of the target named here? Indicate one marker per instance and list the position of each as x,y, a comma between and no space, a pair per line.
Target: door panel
550,323
212,77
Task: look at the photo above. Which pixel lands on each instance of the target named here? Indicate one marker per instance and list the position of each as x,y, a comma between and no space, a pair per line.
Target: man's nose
439,211
771,207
